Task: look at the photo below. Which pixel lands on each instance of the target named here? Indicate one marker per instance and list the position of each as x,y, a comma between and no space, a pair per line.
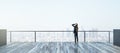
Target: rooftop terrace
59,42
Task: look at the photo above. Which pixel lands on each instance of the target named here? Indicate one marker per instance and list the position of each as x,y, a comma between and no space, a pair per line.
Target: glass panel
22,36
97,37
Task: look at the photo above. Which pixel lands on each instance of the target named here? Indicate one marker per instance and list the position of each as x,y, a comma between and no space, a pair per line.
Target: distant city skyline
59,14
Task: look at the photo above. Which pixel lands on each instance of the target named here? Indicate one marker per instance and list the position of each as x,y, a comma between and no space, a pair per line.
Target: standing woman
75,32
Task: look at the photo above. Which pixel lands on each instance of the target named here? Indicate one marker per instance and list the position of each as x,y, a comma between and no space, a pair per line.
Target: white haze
59,14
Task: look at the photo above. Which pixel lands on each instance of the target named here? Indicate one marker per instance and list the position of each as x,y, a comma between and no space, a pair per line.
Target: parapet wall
3,37
116,37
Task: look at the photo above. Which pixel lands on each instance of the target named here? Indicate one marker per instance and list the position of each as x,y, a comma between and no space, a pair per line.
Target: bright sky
59,14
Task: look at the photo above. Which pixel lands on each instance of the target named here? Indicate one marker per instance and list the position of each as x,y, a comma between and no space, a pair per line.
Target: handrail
59,31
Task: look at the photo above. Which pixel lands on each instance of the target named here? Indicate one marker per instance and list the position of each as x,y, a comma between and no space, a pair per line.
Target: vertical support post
84,36
35,36
10,36
109,36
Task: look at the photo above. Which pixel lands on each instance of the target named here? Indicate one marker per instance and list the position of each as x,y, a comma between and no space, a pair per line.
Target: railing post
10,36
35,35
109,36
84,36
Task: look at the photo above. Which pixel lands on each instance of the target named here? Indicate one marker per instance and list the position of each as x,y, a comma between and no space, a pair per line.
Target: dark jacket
75,28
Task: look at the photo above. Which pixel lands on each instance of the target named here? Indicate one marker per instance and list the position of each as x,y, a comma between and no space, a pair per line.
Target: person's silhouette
75,32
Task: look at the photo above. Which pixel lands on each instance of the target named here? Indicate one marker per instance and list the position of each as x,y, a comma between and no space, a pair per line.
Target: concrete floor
59,47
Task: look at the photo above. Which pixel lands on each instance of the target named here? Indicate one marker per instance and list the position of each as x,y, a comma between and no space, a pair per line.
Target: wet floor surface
59,47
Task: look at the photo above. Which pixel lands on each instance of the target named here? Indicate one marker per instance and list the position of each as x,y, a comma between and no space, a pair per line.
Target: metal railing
109,33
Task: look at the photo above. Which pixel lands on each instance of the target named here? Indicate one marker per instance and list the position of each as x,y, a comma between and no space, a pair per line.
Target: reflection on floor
59,47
